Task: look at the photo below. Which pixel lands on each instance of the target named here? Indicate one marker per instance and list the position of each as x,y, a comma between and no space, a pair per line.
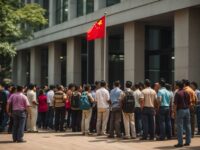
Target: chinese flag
97,31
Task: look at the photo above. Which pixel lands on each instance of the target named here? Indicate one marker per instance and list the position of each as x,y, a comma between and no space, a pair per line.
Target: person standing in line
194,86
50,113
148,98
128,107
19,104
3,101
87,113
102,99
42,109
138,110
164,100
181,110
115,116
31,121
59,100
193,102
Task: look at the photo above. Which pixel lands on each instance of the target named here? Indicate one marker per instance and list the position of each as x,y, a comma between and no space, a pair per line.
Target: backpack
84,102
75,100
129,102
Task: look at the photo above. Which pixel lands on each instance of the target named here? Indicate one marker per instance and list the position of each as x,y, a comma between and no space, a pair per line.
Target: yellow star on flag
100,22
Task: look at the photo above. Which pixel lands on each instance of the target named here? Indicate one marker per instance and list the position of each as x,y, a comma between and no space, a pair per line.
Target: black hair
137,85
186,82
194,84
179,84
147,82
41,92
19,88
97,83
162,82
128,84
31,86
51,87
103,83
168,86
59,87
71,85
87,87
117,83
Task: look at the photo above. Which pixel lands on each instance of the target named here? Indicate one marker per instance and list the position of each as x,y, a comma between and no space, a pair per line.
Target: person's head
186,82
147,83
194,85
162,82
141,86
71,86
103,83
116,83
1,87
128,84
97,84
179,84
59,88
13,89
137,86
31,87
87,88
76,87
19,88
168,86
51,87
41,92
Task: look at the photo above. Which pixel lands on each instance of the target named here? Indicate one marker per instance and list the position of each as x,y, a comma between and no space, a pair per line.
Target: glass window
58,11
80,5
65,10
89,6
61,11
112,2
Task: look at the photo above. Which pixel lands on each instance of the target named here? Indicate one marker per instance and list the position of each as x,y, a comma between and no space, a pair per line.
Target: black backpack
75,100
128,102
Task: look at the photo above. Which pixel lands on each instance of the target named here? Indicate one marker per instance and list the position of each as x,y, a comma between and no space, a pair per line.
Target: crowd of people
150,112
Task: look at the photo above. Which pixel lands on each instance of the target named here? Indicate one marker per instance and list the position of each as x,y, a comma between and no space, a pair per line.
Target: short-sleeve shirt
137,95
59,99
50,95
31,95
114,97
165,96
18,101
182,99
193,98
197,92
149,96
102,97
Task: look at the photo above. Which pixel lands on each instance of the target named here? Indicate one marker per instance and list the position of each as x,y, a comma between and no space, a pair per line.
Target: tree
17,22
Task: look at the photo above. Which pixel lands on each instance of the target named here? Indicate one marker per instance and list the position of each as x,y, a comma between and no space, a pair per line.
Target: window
61,11
89,6
80,8
112,2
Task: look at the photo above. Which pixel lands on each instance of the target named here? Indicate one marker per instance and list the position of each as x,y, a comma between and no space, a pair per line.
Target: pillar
35,68
74,60
52,13
187,45
54,64
134,41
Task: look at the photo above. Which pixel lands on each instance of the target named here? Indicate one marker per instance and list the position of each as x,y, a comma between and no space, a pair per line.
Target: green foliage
18,21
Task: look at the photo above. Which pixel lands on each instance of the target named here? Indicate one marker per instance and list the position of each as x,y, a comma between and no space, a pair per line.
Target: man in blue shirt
115,117
164,100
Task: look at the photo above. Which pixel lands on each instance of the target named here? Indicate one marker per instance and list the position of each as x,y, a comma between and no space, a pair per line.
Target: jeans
102,120
115,120
198,117
42,120
59,118
50,117
165,123
138,120
129,124
76,120
93,121
183,118
86,117
19,120
148,119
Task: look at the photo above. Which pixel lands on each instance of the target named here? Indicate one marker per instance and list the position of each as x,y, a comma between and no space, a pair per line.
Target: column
98,4
187,45
52,14
73,60
134,41
72,9
21,68
35,68
54,64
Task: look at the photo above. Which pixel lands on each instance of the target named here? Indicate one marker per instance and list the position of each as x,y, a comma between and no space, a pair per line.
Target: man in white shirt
50,115
102,99
31,121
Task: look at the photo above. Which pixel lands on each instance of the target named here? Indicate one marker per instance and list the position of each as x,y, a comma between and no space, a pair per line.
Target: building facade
145,39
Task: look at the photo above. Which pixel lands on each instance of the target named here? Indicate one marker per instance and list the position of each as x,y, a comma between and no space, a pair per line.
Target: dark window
159,53
80,9
63,64
112,2
61,11
44,66
89,6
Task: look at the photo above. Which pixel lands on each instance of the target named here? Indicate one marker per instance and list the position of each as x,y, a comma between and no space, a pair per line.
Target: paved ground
71,141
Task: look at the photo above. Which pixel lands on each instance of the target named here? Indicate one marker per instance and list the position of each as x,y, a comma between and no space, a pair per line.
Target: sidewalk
71,141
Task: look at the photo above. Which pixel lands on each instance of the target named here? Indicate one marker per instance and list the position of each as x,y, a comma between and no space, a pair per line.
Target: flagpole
87,62
104,52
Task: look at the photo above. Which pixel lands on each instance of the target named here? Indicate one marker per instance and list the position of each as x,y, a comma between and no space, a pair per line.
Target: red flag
97,31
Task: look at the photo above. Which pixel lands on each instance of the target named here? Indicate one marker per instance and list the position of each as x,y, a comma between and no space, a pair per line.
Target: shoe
151,139
21,141
187,144
14,141
111,137
126,137
143,138
178,145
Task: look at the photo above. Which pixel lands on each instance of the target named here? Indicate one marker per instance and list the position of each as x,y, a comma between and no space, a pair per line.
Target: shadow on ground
182,148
